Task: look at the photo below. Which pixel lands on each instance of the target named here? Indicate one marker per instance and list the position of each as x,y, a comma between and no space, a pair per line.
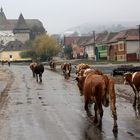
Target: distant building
124,46
12,51
14,33
18,29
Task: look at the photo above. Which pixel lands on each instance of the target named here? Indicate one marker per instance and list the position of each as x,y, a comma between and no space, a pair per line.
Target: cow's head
127,78
80,67
80,82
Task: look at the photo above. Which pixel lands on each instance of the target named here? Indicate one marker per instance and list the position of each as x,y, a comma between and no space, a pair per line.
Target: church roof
21,23
10,24
4,24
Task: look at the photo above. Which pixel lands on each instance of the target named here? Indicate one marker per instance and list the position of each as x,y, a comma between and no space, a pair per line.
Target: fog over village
70,70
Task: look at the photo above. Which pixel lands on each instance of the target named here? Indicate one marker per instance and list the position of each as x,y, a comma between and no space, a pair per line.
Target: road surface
54,110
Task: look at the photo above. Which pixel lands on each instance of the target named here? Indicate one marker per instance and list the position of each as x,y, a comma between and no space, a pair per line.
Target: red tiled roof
70,40
130,34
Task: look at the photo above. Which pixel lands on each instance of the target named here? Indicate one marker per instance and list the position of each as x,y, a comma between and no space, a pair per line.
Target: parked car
125,68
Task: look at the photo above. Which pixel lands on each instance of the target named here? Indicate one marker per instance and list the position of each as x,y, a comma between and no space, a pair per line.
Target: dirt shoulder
6,79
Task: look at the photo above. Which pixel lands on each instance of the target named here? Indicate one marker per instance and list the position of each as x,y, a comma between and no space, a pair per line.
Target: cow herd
95,86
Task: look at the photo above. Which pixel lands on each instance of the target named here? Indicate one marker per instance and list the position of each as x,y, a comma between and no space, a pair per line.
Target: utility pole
94,53
139,42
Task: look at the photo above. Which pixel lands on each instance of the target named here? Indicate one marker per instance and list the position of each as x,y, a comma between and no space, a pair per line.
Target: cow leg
101,114
138,100
69,73
115,127
135,97
96,115
114,114
33,74
87,108
36,77
40,77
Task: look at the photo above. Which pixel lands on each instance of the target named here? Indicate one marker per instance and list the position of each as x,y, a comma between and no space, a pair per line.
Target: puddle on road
39,89
29,102
18,103
44,104
40,98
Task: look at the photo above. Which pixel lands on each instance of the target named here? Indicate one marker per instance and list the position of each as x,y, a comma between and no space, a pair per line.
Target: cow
80,67
100,90
32,67
52,65
83,74
133,79
37,69
66,69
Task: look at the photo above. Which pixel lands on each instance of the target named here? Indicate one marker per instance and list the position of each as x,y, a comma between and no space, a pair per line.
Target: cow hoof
95,120
115,129
138,106
89,114
134,104
99,125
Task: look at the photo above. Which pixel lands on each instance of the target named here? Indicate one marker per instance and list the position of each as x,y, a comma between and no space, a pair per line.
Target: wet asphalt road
54,110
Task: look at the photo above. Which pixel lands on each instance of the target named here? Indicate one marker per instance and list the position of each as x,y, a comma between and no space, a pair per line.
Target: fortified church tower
21,31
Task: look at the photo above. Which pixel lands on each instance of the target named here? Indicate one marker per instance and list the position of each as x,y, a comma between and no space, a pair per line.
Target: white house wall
132,47
89,50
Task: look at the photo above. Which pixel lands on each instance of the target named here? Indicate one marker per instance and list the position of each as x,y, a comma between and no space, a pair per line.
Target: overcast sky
59,15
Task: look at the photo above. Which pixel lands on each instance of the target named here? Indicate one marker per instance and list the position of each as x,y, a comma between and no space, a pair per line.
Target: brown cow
81,67
66,68
100,90
133,79
52,65
32,67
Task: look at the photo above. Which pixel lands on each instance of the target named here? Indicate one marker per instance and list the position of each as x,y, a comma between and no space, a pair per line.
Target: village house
12,51
124,46
69,41
113,46
79,47
101,46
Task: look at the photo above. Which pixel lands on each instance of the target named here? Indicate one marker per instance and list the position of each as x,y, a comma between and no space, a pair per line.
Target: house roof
129,34
100,37
109,36
83,40
69,40
15,46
